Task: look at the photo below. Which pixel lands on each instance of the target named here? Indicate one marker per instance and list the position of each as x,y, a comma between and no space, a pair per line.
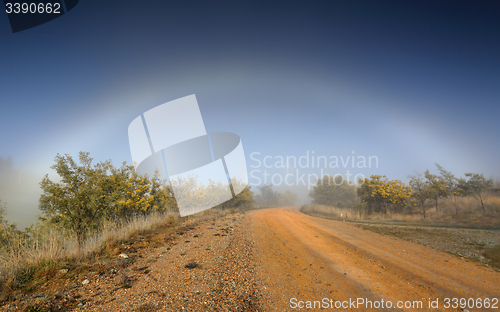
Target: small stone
63,271
85,282
124,256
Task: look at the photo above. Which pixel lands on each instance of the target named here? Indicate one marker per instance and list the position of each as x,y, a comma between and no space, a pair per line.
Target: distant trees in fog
7,230
333,191
267,197
380,195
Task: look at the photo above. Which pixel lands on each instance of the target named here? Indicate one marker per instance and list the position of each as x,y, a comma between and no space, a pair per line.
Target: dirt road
309,258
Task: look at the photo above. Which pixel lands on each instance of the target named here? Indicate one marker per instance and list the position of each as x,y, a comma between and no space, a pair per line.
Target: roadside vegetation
85,215
443,197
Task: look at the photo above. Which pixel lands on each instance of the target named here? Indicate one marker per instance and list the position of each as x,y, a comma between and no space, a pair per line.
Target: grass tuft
493,255
191,265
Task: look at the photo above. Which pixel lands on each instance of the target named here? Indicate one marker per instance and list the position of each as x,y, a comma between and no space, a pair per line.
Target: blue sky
412,82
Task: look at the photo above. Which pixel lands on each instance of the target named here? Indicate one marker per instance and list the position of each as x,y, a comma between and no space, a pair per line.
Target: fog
20,191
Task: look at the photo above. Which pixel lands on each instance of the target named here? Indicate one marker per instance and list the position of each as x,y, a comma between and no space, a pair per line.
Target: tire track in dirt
310,258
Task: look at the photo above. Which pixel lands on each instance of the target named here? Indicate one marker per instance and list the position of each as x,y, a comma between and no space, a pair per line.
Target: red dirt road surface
309,259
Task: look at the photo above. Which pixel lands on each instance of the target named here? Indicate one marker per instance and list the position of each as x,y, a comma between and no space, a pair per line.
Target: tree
8,231
288,198
3,225
89,194
244,199
421,190
193,195
477,186
437,187
382,195
451,185
333,191
267,196
3,212
133,193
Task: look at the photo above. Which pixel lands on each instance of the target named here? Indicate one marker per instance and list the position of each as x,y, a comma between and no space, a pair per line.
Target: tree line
378,194
271,198
88,194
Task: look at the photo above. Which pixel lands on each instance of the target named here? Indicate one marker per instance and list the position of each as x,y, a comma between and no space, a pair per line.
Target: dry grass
464,204
26,254
463,211
352,214
467,211
493,254
44,253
